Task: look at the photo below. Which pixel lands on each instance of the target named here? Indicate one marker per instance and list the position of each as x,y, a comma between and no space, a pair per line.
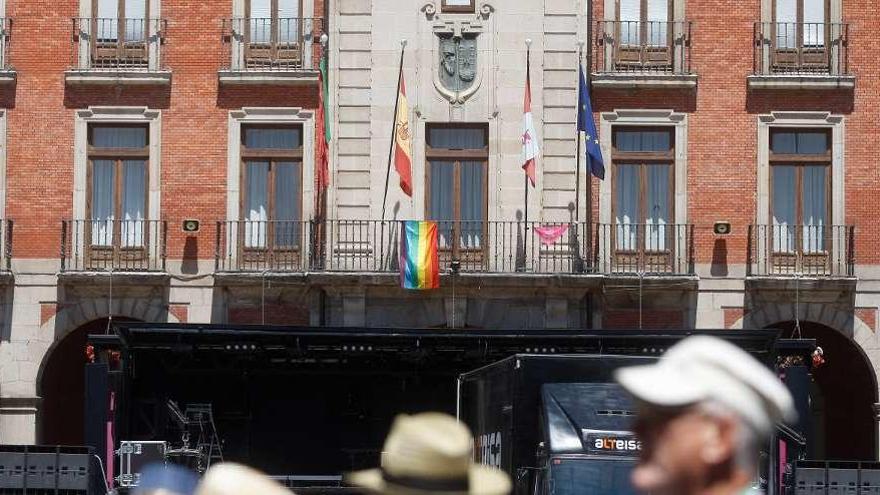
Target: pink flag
551,234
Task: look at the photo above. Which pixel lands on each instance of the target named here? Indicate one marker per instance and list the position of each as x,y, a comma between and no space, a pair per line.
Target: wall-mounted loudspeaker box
191,226
722,228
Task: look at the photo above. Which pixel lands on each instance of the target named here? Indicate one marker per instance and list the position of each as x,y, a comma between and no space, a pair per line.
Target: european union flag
586,124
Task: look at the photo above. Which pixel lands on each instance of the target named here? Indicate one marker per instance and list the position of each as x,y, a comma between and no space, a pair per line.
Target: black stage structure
318,401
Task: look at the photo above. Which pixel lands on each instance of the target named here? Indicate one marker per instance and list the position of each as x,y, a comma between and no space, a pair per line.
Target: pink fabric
551,234
110,440
783,455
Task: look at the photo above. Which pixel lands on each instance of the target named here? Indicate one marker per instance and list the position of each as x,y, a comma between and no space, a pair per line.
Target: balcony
645,249
637,54
278,51
118,51
7,72
494,248
801,251
107,246
801,55
263,246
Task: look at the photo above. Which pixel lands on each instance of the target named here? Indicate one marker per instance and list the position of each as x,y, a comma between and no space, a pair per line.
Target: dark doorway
62,387
843,393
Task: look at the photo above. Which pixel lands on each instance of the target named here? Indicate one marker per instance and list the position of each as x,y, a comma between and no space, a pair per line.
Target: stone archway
843,394
61,386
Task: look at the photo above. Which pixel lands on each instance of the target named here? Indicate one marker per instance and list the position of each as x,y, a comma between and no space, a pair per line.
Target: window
800,32
643,30
117,205
462,6
121,29
272,186
274,30
457,159
800,187
643,188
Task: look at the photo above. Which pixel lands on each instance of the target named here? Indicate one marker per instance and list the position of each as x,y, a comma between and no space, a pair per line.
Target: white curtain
134,199
471,194
630,25
103,178
287,204
814,23
285,138
288,21
784,214
119,137
441,205
627,207
786,23
107,20
135,20
814,206
261,21
657,217
658,17
256,204
471,205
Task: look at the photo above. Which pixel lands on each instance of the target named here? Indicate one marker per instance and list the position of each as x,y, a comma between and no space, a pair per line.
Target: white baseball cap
703,368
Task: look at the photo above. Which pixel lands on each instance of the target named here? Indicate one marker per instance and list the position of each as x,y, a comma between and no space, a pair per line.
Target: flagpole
393,127
528,76
577,190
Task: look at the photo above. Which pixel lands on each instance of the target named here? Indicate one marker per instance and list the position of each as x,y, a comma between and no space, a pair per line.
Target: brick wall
194,120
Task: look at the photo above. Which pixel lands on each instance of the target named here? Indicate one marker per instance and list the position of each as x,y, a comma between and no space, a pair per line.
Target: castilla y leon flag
529,137
403,140
322,131
419,263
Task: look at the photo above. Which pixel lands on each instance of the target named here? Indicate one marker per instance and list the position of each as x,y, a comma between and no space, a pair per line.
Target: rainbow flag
419,266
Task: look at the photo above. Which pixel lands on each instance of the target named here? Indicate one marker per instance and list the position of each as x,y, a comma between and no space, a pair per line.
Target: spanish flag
419,263
403,140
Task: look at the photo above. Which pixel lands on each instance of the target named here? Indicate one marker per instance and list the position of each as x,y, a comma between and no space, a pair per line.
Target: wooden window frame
456,156
274,50
800,161
644,53
642,160
800,56
272,156
100,254
132,51
458,9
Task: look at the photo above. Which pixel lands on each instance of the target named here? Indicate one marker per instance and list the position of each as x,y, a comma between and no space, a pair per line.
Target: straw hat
235,479
430,453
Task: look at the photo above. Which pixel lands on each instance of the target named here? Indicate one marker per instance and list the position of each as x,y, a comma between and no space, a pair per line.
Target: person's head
704,410
159,479
430,453
228,478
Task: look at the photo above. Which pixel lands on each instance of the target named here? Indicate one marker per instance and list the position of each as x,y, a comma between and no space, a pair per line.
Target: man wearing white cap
704,411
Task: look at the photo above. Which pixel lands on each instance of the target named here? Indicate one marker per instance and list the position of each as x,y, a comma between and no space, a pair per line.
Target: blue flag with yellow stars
588,127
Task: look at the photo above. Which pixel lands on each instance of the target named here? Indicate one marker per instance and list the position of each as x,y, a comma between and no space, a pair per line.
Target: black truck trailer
553,421
558,424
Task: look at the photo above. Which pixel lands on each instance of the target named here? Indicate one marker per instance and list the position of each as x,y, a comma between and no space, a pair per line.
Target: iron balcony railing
476,247
110,44
5,39
801,250
259,245
113,245
645,249
271,44
662,47
801,48
6,245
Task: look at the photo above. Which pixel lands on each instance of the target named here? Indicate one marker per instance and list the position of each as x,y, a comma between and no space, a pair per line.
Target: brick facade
202,280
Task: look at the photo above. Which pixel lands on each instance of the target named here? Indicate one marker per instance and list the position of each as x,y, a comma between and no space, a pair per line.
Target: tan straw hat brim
483,480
